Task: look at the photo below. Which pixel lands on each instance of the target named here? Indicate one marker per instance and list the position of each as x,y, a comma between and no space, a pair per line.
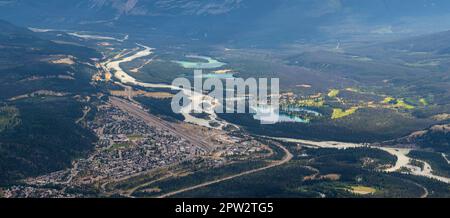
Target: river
403,161
113,65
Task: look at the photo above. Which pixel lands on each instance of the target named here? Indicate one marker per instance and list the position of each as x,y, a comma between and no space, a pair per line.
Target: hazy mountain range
237,20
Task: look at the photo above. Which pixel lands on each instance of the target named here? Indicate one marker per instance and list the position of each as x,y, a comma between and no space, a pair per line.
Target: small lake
218,75
209,63
287,115
285,118
301,109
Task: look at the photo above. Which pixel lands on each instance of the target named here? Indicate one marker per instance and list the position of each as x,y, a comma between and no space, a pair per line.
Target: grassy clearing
362,190
315,102
339,113
119,146
398,103
388,100
333,93
424,102
134,137
402,104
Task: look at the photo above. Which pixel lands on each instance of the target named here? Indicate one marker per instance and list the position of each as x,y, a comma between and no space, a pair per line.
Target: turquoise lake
210,64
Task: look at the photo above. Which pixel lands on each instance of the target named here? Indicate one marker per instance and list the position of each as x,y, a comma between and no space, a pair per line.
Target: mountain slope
42,85
438,43
436,138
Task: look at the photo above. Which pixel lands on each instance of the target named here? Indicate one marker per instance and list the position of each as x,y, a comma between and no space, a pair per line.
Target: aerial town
128,146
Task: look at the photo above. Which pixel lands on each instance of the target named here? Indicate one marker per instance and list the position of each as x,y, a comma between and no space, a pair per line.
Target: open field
362,190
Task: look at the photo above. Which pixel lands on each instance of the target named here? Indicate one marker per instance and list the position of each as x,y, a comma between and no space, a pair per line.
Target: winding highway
287,157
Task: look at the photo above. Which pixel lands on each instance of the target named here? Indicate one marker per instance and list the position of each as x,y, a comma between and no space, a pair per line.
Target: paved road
287,157
129,193
425,191
136,111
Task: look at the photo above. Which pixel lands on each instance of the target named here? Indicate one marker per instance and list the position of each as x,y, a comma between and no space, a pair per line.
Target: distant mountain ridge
438,43
277,20
167,7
